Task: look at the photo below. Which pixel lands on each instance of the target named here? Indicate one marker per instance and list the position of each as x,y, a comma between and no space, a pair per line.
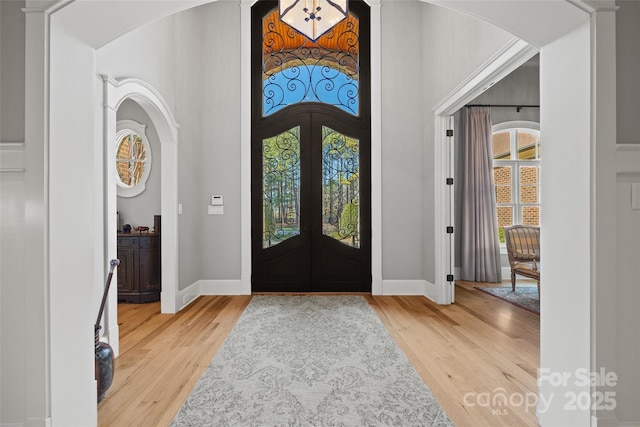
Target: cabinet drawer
149,242
127,242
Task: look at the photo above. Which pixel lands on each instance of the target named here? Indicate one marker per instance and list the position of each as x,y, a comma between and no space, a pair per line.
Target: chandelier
312,18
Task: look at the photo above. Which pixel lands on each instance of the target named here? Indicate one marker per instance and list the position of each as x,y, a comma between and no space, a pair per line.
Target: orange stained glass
296,69
292,40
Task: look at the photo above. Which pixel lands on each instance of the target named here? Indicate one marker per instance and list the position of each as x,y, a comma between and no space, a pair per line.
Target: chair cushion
526,269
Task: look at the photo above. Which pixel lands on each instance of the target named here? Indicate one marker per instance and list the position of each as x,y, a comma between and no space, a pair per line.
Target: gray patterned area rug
310,361
524,296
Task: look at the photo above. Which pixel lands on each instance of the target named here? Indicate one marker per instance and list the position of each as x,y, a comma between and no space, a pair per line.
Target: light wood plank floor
478,345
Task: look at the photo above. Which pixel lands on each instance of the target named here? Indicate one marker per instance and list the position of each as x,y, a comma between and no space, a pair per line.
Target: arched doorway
152,102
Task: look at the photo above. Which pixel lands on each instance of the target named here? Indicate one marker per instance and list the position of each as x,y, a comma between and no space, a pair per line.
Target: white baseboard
186,296
210,287
237,287
223,287
604,422
411,287
432,292
403,287
114,331
38,422
505,271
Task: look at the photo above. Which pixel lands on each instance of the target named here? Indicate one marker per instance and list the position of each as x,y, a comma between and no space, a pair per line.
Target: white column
36,275
245,146
603,210
110,323
566,220
376,147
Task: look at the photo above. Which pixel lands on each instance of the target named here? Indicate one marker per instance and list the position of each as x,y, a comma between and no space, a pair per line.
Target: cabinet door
127,270
150,272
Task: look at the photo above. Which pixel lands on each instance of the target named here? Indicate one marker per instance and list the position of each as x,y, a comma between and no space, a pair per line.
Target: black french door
311,177
311,204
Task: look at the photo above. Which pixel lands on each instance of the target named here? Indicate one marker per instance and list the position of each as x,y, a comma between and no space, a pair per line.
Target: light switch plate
217,201
635,196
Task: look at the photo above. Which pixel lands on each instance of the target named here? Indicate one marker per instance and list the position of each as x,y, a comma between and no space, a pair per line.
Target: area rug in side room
524,296
310,361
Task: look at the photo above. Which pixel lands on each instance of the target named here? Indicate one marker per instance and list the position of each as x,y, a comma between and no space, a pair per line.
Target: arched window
516,173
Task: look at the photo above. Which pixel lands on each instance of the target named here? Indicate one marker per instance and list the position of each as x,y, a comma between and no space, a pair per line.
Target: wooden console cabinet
139,272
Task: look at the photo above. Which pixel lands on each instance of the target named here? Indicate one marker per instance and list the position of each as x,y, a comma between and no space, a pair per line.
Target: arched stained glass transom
296,69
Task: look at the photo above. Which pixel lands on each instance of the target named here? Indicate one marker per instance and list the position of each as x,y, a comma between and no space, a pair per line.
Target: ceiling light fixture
312,18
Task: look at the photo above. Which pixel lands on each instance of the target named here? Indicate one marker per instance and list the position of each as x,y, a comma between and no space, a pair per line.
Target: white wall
12,71
185,36
205,96
627,220
403,140
628,64
76,217
565,82
217,85
628,270
13,389
521,87
156,53
454,47
192,61
12,298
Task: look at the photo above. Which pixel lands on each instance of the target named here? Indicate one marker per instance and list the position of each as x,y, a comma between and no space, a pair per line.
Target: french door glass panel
340,187
281,187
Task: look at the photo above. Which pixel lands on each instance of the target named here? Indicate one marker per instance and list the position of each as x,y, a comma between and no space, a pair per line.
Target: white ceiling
97,22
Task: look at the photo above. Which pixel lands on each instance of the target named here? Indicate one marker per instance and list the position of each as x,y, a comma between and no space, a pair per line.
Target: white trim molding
12,157
628,161
153,103
125,127
515,53
404,287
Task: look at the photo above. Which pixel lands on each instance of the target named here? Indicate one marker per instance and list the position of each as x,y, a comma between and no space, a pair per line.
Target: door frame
115,92
515,53
375,41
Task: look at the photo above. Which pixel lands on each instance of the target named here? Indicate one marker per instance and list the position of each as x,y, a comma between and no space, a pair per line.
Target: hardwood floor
467,353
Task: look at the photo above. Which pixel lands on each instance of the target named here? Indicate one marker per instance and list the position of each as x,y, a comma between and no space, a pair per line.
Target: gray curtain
480,247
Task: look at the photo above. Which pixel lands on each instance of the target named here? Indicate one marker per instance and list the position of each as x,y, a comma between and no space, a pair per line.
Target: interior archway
511,20
152,102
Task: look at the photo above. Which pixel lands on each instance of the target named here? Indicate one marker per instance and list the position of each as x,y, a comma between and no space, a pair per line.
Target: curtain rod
518,107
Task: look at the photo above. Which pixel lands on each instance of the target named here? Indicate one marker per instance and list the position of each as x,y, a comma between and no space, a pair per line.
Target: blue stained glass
310,84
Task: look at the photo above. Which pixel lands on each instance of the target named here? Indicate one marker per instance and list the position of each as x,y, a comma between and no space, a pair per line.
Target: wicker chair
523,248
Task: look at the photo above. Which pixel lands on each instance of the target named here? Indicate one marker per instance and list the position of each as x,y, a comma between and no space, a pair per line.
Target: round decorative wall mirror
133,158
